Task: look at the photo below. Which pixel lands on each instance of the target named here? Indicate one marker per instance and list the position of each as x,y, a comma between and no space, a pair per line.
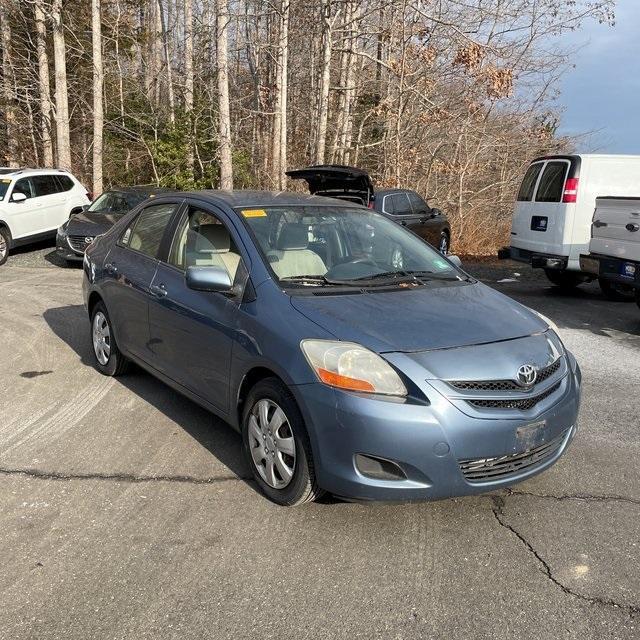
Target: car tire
109,360
5,243
443,246
617,292
289,441
638,297
566,280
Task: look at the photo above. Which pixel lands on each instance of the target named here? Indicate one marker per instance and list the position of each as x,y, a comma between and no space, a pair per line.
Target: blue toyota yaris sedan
351,355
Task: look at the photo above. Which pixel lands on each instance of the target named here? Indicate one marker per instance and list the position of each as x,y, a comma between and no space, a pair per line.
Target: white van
552,219
34,203
614,250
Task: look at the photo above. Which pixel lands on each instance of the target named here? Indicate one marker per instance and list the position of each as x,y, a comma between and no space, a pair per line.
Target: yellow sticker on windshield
6,180
254,213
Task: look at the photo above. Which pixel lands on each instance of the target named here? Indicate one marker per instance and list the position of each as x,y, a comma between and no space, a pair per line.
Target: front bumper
429,442
64,250
612,269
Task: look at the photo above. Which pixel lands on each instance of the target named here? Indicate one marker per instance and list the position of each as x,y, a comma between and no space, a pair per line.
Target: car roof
386,192
144,190
249,198
10,173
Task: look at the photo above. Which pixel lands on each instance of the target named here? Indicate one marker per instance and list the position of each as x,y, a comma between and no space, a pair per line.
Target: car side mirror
18,197
455,260
76,210
212,279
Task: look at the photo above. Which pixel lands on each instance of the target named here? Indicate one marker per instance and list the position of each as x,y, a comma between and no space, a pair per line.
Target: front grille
486,469
504,385
77,243
515,403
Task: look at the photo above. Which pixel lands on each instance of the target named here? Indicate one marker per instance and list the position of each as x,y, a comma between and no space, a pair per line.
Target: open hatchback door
337,181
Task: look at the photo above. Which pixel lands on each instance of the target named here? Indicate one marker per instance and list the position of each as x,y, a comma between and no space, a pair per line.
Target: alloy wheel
271,443
101,338
3,248
444,245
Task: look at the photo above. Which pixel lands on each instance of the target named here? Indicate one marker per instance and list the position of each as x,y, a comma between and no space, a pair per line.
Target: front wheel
564,279
4,246
277,446
109,360
616,291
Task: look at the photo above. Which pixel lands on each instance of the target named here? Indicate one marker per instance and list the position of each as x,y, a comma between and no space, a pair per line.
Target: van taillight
570,190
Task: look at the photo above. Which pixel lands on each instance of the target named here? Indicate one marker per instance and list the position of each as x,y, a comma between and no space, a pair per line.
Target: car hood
91,224
421,319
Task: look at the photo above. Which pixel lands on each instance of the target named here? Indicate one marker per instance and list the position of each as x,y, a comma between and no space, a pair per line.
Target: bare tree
9,94
62,99
188,77
98,81
279,141
224,117
324,84
44,84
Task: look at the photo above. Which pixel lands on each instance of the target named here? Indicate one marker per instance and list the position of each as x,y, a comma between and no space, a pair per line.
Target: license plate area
628,270
590,265
531,435
539,223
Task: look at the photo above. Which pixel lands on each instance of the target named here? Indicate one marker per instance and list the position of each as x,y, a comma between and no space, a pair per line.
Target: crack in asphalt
574,496
499,515
117,477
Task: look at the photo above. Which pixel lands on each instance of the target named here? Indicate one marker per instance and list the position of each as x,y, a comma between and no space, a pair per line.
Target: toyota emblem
88,240
527,375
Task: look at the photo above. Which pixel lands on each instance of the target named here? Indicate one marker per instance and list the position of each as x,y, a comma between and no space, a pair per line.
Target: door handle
111,268
403,223
158,290
632,226
599,223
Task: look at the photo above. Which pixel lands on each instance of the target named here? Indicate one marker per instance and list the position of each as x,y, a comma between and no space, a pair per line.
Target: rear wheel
564,279
4,245
109,360
616,291
276,445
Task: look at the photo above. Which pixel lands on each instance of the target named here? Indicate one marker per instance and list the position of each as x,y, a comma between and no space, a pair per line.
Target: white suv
34,203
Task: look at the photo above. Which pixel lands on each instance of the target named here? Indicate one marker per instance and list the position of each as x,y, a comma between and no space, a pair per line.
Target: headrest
293,236
214,238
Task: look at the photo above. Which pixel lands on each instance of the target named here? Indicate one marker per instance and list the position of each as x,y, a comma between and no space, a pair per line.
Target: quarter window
529,183
552,182
146,231
202,240
44,185
65,182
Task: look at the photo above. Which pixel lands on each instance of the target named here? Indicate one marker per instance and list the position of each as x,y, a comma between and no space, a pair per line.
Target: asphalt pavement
126,511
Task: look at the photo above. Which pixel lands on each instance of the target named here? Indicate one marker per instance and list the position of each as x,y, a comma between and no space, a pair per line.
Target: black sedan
404,206
87,222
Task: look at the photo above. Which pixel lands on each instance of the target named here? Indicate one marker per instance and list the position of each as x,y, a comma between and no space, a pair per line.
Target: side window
529,183
401,205
201,240
145,233
24,185
417,203
65,182
44,185
552,182
387,205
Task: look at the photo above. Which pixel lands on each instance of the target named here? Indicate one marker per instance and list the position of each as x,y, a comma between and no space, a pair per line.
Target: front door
191,332
128,272
24,217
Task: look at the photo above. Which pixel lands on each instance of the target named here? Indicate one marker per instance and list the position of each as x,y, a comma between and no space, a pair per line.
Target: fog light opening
378,468
554,263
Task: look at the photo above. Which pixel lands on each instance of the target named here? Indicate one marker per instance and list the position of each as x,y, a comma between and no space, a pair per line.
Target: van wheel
5,241
565,279
617,292
276,445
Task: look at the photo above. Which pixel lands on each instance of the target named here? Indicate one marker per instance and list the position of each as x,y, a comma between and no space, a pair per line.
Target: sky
602,93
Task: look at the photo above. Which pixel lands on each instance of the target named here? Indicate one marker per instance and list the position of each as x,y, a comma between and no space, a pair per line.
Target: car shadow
54,258
70,324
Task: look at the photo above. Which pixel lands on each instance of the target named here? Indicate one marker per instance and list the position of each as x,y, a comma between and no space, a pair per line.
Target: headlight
347,365
552,325
62,230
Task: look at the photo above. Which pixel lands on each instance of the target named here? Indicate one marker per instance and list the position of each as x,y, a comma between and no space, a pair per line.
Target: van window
552,182
529,183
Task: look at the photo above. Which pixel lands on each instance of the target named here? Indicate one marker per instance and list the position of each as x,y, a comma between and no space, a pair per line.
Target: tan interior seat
293,257
210,246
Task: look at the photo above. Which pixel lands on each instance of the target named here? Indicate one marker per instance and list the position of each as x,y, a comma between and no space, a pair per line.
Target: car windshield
4,187
115,202
321,246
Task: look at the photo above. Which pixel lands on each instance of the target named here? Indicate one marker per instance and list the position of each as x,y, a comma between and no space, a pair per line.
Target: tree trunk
62,99
224,117
325,79
167,60
98,81
45,89
188,77
9,94
279,155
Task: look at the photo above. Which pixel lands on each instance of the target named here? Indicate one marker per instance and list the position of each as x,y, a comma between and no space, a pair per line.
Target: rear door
430,226
128,272
399,206
616,228
52,200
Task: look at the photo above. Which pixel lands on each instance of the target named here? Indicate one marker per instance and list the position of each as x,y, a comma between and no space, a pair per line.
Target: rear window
529,183
552,182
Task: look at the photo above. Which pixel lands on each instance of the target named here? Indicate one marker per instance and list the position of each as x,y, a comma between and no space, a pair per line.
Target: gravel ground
127,511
